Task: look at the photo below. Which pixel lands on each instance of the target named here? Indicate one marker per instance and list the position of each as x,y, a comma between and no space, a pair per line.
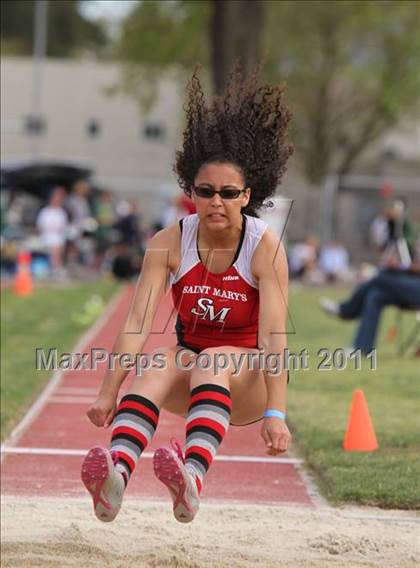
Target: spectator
391,287
187,204
128,224
379,231
52,224
304,257
400,236
105,217
14,210
78,207
180,207
125,265
334,261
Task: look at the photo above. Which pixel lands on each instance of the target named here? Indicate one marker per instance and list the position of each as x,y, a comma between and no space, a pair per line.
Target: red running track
45,459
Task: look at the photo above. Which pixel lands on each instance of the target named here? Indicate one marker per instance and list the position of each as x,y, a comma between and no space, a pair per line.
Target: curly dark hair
245,126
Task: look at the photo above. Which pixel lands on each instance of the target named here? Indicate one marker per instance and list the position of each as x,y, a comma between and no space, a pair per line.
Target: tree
352,74
68,30
167,32
351,66
161,35
236,35
183,32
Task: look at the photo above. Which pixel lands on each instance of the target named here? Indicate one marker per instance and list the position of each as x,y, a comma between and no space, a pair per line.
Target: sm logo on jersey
207,311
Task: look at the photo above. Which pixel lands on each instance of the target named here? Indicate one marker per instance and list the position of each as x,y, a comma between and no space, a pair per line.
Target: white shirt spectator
379,231
303,255
334,259
52,224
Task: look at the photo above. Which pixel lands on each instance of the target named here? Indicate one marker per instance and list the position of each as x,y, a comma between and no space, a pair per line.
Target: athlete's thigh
178,397
166,380
247,387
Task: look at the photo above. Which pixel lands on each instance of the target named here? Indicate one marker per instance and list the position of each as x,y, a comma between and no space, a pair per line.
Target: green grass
319,404
51,317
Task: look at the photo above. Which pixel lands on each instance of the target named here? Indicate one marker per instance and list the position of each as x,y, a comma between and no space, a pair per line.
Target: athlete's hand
276,435
102,411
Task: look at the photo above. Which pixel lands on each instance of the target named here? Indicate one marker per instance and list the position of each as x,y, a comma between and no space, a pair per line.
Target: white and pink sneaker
104,482
169,467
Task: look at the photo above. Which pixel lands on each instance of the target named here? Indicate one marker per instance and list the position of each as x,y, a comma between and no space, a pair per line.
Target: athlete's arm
135,331
270,268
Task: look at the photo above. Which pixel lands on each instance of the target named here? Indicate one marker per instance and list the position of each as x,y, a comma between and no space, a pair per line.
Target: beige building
128,151
132,152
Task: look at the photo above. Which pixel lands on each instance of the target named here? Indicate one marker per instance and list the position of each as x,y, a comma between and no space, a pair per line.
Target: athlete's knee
215,360
157,365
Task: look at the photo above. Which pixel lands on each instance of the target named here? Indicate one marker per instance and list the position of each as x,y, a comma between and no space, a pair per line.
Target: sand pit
52,532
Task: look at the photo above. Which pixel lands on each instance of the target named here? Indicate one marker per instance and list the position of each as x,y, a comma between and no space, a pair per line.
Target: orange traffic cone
360,435
391,334
23,281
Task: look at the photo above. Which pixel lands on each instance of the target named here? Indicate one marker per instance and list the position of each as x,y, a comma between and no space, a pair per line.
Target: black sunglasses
209,192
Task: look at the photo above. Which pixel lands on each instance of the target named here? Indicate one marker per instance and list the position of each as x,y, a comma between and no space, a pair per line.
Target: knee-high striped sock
207,423
134,424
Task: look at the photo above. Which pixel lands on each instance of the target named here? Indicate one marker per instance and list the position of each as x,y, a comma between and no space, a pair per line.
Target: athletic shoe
330,307
169,467
104,482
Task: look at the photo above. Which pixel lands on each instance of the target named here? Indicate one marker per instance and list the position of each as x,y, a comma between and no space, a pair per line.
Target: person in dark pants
389,288
125,265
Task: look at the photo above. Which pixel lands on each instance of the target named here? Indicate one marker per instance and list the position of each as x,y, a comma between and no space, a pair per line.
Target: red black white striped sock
207,423
134,424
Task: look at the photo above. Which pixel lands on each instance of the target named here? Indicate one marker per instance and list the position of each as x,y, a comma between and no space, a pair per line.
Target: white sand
56,533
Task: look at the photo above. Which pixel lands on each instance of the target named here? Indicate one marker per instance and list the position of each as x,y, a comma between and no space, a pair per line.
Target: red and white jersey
217,309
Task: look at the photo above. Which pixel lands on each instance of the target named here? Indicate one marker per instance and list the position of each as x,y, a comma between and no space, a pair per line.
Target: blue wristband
271,413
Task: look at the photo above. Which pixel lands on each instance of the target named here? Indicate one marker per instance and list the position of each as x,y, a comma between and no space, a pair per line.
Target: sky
109,9
113,11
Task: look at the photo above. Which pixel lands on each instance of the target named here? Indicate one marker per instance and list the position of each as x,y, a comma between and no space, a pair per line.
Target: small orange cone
392,334
360,435
23,285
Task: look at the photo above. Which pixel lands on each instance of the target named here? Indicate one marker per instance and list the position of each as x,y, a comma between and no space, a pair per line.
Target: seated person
393,286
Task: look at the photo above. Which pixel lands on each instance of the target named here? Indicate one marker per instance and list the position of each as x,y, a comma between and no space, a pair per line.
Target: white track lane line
78,391
55,398
82,452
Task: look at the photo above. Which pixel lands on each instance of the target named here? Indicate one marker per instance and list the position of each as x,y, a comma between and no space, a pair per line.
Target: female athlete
228,274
